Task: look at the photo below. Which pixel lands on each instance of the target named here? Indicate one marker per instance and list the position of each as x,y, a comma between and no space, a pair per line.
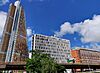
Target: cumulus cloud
29,39
93,46
3,16
29,31
3,2
65,28
89,29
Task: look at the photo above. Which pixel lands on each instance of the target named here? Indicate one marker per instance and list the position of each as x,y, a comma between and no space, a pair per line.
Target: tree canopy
43,63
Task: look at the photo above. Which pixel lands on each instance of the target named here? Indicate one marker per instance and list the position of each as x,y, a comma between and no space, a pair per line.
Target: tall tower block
14,41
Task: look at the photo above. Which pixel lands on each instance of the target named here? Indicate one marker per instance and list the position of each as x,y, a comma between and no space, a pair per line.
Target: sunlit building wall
85,56
57,48
14,41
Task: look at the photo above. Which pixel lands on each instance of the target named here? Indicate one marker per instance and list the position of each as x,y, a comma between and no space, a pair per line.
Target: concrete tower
14,42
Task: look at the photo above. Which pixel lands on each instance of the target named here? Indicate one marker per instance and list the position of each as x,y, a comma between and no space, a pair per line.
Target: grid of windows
14,41
86,56
89,56
57,48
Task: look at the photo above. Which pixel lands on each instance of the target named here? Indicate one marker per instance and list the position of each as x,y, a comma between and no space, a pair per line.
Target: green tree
43,63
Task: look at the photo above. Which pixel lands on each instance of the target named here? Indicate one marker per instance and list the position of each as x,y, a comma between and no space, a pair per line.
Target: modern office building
57,48
14,41
85,56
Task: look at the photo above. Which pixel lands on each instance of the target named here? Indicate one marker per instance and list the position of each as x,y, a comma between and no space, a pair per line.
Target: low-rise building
86,56
57,48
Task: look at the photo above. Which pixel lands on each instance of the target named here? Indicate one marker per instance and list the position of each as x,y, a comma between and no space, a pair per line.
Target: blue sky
75,20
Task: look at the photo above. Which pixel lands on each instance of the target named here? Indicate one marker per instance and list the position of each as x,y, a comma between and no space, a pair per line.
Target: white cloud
82,46
3,16
95,46
65,28
89,29
3,2
29,39
29,31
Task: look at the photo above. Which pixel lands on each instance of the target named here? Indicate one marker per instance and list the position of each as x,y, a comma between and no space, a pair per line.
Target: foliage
43,63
